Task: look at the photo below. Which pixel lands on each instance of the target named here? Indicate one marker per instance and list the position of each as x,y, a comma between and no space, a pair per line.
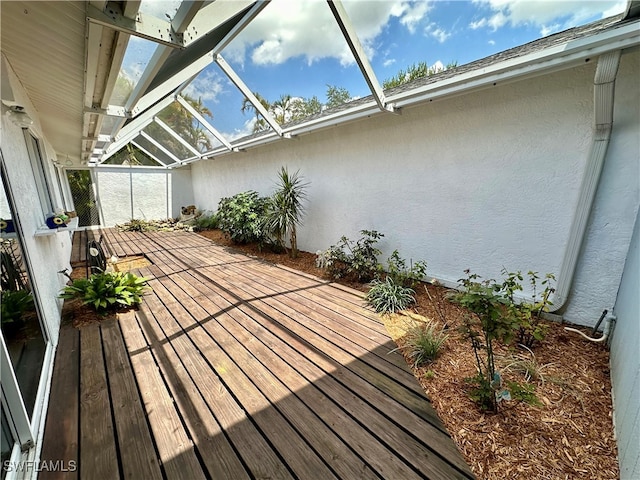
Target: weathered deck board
98,456
234,368
62,416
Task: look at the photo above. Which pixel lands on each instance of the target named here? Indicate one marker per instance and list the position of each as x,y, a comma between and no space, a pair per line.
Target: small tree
285,209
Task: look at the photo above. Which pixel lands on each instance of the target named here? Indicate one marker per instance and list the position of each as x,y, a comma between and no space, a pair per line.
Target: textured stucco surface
625,363
481,181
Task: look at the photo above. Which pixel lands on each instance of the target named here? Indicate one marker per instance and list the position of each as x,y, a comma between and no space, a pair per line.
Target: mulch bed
569,437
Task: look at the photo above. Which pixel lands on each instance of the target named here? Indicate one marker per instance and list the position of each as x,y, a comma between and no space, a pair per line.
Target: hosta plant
107,290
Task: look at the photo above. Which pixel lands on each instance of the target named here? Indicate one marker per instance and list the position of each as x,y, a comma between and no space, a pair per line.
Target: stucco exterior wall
625,363
151,195
483,181
47,254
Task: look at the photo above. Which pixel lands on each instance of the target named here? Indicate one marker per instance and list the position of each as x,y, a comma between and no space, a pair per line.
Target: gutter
603,98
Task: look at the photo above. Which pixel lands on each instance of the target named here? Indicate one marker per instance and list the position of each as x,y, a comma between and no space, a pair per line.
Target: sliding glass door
25,349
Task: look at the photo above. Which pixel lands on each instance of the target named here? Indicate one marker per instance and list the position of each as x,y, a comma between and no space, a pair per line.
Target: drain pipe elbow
603,96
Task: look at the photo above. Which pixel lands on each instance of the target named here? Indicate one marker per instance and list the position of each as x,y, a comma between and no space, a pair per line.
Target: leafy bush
14,303
357,260
388,297
401,275
107,290
423,342
206,221
487,322
528,315
241,217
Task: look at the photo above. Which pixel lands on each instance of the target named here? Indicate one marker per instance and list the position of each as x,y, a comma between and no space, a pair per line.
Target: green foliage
14,303
107,290
285,209
413,72
401,274
206,221
422,343
357,261
241,217
389,297
337,96
487,322
137,225
528,314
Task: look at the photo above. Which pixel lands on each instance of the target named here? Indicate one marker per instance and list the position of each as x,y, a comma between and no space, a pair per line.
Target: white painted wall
136,193
625,363
482,181
49,254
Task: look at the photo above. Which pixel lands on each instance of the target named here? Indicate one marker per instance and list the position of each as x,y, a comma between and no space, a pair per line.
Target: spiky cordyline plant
285,209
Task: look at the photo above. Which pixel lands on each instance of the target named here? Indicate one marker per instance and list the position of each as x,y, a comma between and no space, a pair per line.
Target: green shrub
241,217
358,261
401,275
14,303
422,343
528,314
206,221
107,290
285,209
388,297
490,319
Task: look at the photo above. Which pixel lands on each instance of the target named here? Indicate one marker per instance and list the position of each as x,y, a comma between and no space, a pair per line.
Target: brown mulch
569,437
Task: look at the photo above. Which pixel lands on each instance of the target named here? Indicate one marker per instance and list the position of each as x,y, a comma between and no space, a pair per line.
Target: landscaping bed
569,434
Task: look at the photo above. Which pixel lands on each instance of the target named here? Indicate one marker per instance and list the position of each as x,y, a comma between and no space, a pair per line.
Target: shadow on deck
238,369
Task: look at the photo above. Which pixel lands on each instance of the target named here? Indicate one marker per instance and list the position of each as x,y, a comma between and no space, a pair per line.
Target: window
39,172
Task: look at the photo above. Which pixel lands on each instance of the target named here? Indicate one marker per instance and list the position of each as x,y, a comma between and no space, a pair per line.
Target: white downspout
604,83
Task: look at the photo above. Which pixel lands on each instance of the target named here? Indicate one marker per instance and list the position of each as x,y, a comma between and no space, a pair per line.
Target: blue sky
294,46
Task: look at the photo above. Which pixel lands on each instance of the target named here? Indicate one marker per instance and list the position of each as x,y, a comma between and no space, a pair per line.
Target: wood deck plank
62,418
235,368
274,387
138,455
217,453
392,406
255,451
98,456
302,460
174,446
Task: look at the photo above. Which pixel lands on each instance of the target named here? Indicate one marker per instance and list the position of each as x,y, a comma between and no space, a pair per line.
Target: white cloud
412,14
288,29
436,32
388,62
547,15
207,86
491,42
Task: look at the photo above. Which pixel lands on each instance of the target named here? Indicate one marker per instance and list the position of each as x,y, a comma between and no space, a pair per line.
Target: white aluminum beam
132,128
161,147
353,41
237,81
203,121
143,26
161,164
172,132
186,75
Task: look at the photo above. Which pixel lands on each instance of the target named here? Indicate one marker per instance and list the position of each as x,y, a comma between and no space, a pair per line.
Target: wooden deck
234,368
